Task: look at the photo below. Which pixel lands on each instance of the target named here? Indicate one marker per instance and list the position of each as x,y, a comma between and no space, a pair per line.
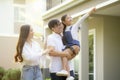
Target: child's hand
67,54
92,11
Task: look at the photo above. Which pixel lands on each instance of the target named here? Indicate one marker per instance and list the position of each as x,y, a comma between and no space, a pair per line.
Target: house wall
6,16
96,22
111,48
74,10
7,52
107,46
8,42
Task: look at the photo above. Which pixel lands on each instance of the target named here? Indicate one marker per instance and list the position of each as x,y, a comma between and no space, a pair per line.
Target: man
55,41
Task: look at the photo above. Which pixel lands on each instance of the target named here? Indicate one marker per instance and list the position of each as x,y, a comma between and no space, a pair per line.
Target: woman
28,53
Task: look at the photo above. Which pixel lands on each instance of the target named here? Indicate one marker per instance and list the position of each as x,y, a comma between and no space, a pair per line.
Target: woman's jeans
31,73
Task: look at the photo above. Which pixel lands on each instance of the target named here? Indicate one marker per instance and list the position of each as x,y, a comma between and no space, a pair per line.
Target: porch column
84,55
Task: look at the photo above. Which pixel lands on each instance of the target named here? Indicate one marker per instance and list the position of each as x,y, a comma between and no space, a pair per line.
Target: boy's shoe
62,73
70,78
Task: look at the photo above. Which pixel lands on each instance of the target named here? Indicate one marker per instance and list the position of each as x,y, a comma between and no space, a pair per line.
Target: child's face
58,28
68,20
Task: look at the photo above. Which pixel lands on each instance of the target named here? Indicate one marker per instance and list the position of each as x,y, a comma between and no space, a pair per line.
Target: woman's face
31,33
68,20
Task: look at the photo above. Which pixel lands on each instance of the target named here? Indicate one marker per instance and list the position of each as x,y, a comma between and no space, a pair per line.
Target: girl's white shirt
75,27
31,53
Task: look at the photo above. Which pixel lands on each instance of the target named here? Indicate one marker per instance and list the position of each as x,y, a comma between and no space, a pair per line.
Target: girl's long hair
63,19
24,32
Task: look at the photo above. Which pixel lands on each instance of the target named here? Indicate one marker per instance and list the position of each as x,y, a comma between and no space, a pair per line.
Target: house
103,25
102,28
14,13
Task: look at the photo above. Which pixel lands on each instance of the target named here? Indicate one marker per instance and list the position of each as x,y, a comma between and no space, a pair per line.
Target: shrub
12,74
2,71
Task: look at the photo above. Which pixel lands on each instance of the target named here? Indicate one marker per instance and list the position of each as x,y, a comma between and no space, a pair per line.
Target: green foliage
91,53
12,74
76,76
2,71
90,77
47,79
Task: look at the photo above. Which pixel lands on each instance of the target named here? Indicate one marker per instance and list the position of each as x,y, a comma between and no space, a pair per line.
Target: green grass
47,79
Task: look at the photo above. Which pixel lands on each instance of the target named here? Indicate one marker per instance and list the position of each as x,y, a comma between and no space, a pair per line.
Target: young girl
29,53
70,40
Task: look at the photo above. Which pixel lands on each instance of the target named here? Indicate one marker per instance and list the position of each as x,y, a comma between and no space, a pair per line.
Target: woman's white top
31,53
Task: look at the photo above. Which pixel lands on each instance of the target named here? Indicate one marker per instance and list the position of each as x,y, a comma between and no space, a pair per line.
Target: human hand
92,10
48,50
67,54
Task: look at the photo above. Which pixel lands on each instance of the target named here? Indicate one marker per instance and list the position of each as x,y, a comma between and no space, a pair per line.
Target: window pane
19,17
91,67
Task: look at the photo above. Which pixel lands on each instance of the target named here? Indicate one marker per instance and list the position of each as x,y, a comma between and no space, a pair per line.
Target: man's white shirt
55,40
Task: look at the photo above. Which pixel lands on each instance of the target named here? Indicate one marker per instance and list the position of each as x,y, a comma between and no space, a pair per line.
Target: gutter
98,6
60,8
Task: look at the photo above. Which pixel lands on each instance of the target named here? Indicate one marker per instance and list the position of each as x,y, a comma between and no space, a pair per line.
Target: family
62,46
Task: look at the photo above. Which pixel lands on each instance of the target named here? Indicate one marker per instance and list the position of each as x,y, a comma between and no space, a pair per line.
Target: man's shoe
62,73
70,78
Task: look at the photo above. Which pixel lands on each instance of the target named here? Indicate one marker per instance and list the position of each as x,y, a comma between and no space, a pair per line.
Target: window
52,3
19,17
91,67
92,55
19,12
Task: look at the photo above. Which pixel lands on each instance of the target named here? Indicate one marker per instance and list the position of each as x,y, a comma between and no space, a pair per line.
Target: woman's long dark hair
63,19
24,32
